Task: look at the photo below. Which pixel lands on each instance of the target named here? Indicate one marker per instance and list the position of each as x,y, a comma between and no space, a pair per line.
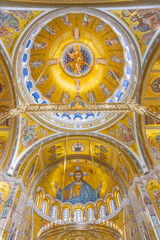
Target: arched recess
10,102
146,98
32,166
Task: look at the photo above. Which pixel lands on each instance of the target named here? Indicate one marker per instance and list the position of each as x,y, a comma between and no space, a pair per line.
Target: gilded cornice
60,3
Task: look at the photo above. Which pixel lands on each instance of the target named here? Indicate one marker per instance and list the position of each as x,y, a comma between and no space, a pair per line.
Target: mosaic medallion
77,60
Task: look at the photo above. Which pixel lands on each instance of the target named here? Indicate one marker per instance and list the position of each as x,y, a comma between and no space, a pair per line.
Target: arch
54,211
151,58
132,158
44,206
66,215
112,206
90,214
12,141
102,211
78,215
117,197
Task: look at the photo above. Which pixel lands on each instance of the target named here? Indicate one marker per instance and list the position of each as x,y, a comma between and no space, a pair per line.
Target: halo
74,146
77,45
134,28
155,191
18,29
71,174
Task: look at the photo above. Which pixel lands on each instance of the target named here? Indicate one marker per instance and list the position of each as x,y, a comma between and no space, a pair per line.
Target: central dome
77,50
78,57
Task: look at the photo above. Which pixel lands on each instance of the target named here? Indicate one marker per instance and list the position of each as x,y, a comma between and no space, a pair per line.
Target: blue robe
87,194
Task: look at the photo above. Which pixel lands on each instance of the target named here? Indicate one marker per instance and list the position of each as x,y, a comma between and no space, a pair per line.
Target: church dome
75,59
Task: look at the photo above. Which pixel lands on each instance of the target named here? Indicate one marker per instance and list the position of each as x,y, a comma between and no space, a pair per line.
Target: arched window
119,198
102,211
90,214
66,215
54,212
78,215
112,206
44,207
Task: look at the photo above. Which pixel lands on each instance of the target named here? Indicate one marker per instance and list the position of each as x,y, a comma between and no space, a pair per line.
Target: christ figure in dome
78,191
77,58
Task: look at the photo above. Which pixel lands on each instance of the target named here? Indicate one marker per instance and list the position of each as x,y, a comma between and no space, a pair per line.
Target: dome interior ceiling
93,39
76,59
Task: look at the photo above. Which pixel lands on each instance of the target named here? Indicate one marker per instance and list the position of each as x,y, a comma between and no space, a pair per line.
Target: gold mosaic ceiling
65,74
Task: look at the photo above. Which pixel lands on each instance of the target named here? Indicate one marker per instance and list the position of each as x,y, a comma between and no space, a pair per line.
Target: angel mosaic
117,59
49,30
111,42
53,61
65,20
100,26
36,45
101,61
38,63
85,20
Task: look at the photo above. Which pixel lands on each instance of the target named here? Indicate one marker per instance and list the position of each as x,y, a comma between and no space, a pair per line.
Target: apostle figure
64,98
105,90
91,97
51,91
42,80
78,191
